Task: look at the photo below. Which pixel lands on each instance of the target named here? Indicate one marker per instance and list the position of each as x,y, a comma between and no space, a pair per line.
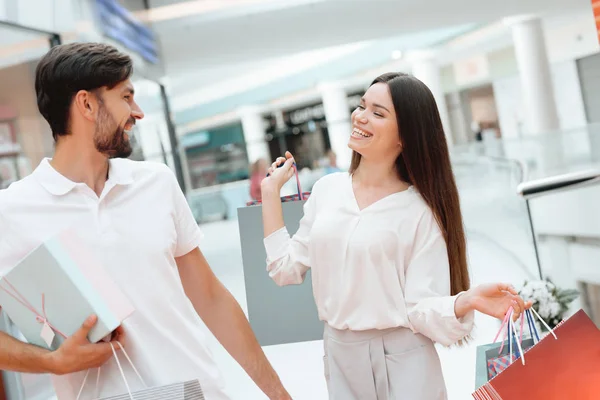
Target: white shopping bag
188,390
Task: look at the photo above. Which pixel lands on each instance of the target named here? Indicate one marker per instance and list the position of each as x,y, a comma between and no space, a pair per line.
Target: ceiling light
396,54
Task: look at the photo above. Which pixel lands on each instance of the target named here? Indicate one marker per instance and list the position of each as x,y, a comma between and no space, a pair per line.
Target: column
339,126
254,134
425,68
541,116
460,125
534,70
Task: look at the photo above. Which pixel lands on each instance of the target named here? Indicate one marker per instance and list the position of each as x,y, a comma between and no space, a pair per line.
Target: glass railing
494,215
488,174
545,154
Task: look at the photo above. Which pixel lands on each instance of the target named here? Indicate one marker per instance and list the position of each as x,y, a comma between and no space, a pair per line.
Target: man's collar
119,172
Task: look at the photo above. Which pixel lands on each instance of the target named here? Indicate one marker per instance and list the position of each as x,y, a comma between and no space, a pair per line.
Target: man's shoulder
145,169
24,188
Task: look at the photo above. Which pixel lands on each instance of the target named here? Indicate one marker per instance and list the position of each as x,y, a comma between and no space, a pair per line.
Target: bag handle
530,323
544,322
514,339
512,334
532,327
300,196
120,370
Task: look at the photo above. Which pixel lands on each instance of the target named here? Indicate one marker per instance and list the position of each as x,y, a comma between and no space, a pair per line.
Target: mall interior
225,84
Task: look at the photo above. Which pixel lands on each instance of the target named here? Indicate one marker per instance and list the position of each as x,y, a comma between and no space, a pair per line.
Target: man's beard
109,137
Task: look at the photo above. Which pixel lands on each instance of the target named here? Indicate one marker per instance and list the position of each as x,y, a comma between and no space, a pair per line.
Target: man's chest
118,232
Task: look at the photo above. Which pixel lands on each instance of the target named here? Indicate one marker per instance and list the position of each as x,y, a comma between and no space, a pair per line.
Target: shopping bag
496,357
52,290
277,315
563,365
188,390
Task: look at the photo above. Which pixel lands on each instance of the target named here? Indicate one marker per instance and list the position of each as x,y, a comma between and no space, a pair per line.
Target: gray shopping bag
277,314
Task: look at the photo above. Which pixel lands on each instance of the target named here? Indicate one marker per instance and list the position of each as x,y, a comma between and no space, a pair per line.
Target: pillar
536,79
541,116
254,134
339,126
425,68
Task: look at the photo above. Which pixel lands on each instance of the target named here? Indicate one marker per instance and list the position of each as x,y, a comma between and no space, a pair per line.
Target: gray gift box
277,314
61,283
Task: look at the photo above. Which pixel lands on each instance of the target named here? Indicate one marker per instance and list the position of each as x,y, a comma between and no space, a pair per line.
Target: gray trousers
390,364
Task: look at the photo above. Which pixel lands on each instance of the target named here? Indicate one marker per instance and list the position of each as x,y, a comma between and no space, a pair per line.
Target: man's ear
86,104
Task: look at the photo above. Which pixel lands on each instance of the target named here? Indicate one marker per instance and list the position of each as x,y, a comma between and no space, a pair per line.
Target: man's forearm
22,357
235,334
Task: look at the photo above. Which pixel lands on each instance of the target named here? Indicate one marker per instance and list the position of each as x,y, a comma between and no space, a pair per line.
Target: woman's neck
376,173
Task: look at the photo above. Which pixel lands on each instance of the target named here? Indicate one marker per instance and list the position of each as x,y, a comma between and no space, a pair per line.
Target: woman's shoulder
330,181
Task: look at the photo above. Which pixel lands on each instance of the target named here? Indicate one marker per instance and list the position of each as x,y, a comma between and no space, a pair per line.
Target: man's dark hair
69,68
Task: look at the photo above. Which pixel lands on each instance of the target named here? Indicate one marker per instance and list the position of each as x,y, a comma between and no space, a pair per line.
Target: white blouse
381,267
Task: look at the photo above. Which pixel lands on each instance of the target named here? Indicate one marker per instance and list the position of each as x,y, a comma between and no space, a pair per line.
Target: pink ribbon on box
41,318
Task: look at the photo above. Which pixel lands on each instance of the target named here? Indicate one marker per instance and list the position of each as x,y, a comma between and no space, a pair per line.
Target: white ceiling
243,34
208,42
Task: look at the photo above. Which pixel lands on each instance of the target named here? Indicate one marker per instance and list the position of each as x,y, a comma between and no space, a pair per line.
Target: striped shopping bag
188,390
177,391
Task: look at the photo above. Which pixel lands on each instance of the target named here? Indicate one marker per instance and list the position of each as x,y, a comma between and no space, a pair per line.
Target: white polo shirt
138,225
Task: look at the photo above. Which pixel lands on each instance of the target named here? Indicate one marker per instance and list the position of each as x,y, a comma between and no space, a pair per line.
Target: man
137,218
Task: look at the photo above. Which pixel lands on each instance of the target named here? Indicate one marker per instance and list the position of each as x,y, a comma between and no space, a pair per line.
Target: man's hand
78,354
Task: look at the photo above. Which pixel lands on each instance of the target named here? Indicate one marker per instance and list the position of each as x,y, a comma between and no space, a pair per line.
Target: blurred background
229,85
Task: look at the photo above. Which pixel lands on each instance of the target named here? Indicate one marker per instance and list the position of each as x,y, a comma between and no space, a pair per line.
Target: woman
257,174
387,250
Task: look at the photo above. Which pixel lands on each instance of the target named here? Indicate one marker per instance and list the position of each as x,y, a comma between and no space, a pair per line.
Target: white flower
542,294
555,309
544,310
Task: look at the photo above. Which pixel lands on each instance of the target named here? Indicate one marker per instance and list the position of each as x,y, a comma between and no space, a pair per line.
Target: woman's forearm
271,210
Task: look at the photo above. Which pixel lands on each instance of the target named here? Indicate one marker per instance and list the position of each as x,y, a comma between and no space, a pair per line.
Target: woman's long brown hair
425,164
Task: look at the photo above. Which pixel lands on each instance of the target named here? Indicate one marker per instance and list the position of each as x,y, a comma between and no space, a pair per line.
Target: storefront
11,163
216,156
303,131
